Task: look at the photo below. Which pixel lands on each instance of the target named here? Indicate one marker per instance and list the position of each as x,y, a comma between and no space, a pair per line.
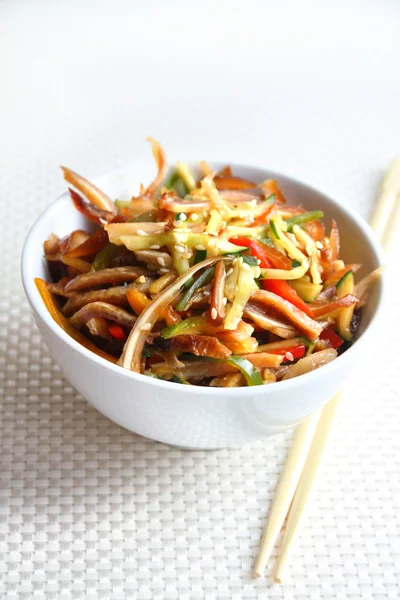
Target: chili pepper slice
117,332
332,337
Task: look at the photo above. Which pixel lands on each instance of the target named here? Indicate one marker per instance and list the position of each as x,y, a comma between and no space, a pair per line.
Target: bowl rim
40,310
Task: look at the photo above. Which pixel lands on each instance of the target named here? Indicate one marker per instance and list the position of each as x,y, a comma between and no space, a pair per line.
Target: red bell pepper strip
229,182
332,337
117,332
264,217
281,288
296,351
270,257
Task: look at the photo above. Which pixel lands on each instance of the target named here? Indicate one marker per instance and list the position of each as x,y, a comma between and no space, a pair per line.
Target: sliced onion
115,230
309,363
362,288
98,326
131,356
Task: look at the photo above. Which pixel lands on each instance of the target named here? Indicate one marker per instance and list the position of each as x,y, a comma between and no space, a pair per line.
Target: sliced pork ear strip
104,310
93,194
104,277
113,295
200,345
298,318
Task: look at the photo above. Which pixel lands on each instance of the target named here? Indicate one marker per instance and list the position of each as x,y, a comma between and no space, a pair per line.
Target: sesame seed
204,213
194,217
199,247
289,356
161,261
257,273
146,327
141,279
141,232
319,245
223,224
224,300
155,247
182,217
258,261
214,313
229,272
163,271
246,267
180,237
178,248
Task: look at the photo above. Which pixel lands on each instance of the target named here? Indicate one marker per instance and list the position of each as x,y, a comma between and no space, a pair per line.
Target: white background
89,510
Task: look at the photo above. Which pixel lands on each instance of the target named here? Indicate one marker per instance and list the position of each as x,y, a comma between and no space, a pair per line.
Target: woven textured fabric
87,509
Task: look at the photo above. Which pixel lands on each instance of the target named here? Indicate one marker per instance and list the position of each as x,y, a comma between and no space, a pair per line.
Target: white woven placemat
87,509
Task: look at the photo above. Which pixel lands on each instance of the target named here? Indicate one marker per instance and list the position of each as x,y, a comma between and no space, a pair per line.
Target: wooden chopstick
312,434
286,489
386,214
306,485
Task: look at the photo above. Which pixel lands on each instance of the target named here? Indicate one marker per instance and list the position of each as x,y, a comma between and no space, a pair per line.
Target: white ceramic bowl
198,417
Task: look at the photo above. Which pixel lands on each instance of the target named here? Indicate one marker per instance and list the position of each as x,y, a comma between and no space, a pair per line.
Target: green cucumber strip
181,327
295,263
228,249
199,256
203,279
250,260
274,230
146,217
176,183
251,374
343,279
269,242
105,256
304,218
150,374
310,348
172,179
179,379
122,204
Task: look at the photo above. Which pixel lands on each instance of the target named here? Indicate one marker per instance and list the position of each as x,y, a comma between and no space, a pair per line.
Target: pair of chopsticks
299,475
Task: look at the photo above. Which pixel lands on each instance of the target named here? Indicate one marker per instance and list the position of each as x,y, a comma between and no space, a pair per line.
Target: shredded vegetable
203,278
